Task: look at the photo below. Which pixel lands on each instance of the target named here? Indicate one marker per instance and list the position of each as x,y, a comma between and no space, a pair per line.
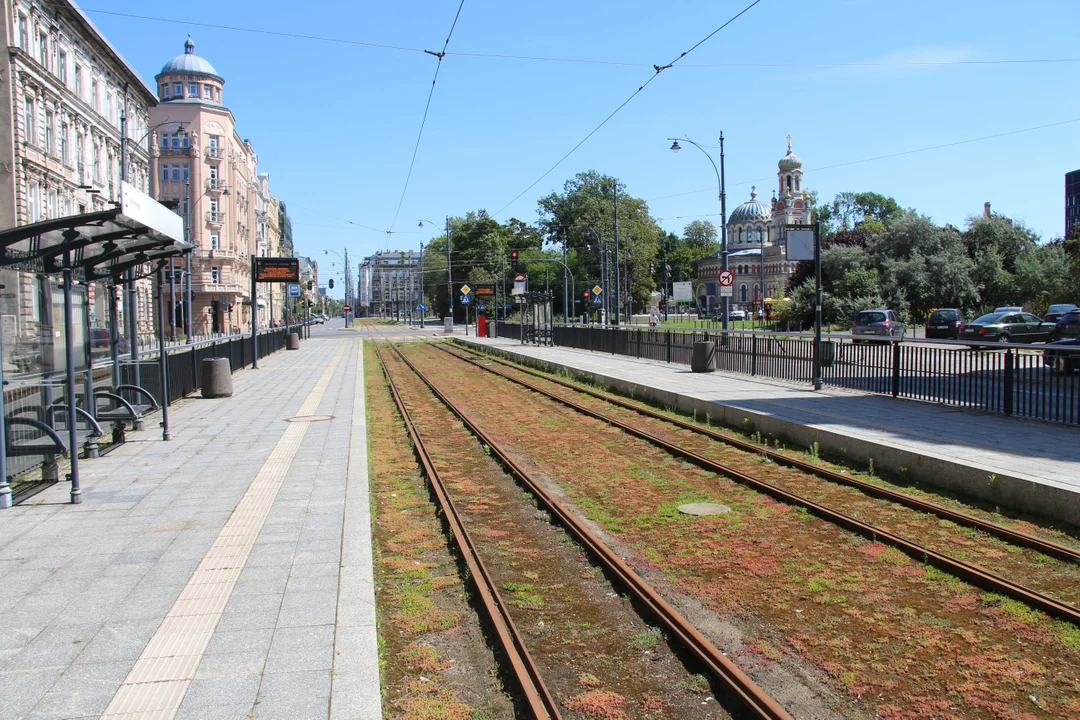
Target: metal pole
726,300
114,336
69,356
423,311
618,276
132,310
172,300
565,299
817,306
449,275
5,488
254,320
163,357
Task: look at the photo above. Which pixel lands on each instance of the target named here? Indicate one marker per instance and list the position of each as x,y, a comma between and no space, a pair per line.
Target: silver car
878,322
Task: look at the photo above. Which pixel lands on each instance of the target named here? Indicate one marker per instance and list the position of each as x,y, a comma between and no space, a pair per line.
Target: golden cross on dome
789,143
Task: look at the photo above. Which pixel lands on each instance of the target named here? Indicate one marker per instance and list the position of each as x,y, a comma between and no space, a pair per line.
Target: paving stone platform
1023,464
224,574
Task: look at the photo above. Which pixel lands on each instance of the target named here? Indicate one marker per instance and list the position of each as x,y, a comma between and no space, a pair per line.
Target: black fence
1013,380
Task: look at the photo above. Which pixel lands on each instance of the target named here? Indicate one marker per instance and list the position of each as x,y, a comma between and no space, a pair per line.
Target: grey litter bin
216,378
704,357
292,341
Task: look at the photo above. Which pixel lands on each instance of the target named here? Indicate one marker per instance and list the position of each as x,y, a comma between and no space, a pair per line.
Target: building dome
189,64
790,161
751,211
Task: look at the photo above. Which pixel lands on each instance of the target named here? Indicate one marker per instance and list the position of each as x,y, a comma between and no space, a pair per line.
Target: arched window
789,182
757,292
740,234
759,235
742,293
796,182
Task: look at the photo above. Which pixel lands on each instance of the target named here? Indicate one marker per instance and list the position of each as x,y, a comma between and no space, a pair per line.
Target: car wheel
1004,338
1062,365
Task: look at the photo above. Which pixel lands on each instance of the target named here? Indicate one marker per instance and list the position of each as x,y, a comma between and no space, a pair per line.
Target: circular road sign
726,278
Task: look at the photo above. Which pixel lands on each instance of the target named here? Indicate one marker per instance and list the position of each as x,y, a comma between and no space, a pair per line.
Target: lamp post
675,147
449,274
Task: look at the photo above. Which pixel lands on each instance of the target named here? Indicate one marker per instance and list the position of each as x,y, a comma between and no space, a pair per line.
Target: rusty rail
958,568
536,695
733,679
1047,547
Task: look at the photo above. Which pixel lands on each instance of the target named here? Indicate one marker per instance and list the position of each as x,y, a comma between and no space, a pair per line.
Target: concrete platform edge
982,483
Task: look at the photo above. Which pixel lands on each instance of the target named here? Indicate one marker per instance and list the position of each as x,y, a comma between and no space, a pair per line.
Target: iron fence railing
1020,381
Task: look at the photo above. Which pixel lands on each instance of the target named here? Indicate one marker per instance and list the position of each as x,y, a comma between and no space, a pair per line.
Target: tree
862,210
997,232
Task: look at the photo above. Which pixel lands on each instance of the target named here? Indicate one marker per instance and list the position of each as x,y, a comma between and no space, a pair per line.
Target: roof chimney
986,209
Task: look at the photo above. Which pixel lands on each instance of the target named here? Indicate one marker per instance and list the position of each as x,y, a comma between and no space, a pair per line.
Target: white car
737,315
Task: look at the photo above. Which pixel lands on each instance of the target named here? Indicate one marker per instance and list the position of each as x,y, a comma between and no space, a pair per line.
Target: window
24,33
43,49
165,91
61,67
208,92
109,105
165,173
213,176
215,240
51,204
164,140
29,122
33,202
186,176
176,173
95,100
193,90
184,140
178,89
789,182
213,140
65,154
78,83
214,209
175,140
215,275
49,120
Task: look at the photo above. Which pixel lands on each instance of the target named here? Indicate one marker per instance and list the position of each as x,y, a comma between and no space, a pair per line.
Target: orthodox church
755,234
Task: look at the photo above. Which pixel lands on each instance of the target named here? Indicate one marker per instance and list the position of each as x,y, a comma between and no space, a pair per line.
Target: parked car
1063,356
945,323
737,315
99,343
1054,312
1008,327
878,322
1067,326
1009,308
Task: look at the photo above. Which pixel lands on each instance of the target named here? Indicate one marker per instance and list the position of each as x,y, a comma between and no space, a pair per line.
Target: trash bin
704,357
448,325
292,341
216,378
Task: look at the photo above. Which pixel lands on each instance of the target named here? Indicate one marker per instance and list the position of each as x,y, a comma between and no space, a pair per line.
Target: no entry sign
726,278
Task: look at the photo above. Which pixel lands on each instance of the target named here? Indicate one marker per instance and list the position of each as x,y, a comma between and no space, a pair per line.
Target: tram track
966,571
751,700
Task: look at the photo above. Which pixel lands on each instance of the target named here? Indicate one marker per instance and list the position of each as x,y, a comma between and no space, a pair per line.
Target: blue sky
335,123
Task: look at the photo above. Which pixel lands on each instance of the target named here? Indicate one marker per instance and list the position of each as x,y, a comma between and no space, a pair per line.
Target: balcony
175,151
215,153
213,185
215,218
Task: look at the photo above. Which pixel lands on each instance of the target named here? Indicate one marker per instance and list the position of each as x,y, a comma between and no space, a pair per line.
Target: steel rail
536,694
958,568
733,679
1016,537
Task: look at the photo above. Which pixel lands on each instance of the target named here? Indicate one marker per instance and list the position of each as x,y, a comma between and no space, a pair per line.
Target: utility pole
723,235
566,301
131,309
423,311
449,275
618,277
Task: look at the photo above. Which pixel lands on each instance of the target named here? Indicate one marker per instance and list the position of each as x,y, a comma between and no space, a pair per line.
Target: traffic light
514,259
585,294
309,284
331,283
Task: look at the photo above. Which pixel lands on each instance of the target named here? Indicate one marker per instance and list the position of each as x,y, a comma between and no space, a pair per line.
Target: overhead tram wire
586,61
883,157
431,93
658,69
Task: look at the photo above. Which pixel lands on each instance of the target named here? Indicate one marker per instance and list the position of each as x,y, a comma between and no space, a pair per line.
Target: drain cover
310,418
704,509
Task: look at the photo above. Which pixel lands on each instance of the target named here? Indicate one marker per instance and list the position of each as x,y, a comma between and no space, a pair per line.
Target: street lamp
449,274
675,148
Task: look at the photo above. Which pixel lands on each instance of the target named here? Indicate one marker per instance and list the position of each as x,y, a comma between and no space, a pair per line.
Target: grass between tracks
433,667
902,639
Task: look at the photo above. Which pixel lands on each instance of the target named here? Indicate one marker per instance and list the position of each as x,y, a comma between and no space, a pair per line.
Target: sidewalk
1021,464
224,574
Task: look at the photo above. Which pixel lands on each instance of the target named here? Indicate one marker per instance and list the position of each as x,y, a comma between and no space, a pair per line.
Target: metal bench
118,409
94,431
45,442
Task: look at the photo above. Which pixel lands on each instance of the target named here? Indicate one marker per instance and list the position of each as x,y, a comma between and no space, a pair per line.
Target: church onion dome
790,161
751,211
189,64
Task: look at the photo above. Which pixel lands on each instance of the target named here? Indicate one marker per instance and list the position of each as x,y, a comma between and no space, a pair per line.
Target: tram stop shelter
133,240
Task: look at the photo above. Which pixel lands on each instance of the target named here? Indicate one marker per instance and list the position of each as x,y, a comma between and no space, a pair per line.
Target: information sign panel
294,290
800,244
682,291
277,269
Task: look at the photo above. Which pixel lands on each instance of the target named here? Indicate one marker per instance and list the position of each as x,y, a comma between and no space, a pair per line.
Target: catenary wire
658,69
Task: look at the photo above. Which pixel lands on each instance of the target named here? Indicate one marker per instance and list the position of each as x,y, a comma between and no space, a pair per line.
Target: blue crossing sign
464,299
481,308
294,290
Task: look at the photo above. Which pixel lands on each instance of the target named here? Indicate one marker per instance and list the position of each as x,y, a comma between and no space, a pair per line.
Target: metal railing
1019,381
215,217
215,153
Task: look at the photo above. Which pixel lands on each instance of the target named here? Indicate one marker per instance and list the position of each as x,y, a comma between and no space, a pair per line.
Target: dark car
1067,326
882,323
1054,312
99,343
1007,327
1063,356
945,323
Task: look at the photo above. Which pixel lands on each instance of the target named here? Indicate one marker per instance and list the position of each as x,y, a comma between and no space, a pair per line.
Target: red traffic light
585,294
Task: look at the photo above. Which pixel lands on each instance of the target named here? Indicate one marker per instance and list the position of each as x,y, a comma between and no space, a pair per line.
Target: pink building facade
200,162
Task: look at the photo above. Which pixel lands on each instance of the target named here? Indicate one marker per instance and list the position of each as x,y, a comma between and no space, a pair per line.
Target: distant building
363,294
755,234
395,281
1072,200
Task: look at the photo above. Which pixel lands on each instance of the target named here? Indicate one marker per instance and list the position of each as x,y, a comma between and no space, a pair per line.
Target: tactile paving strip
156,685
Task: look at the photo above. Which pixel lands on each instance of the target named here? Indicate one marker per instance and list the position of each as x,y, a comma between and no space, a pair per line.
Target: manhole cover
704,509
310,418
